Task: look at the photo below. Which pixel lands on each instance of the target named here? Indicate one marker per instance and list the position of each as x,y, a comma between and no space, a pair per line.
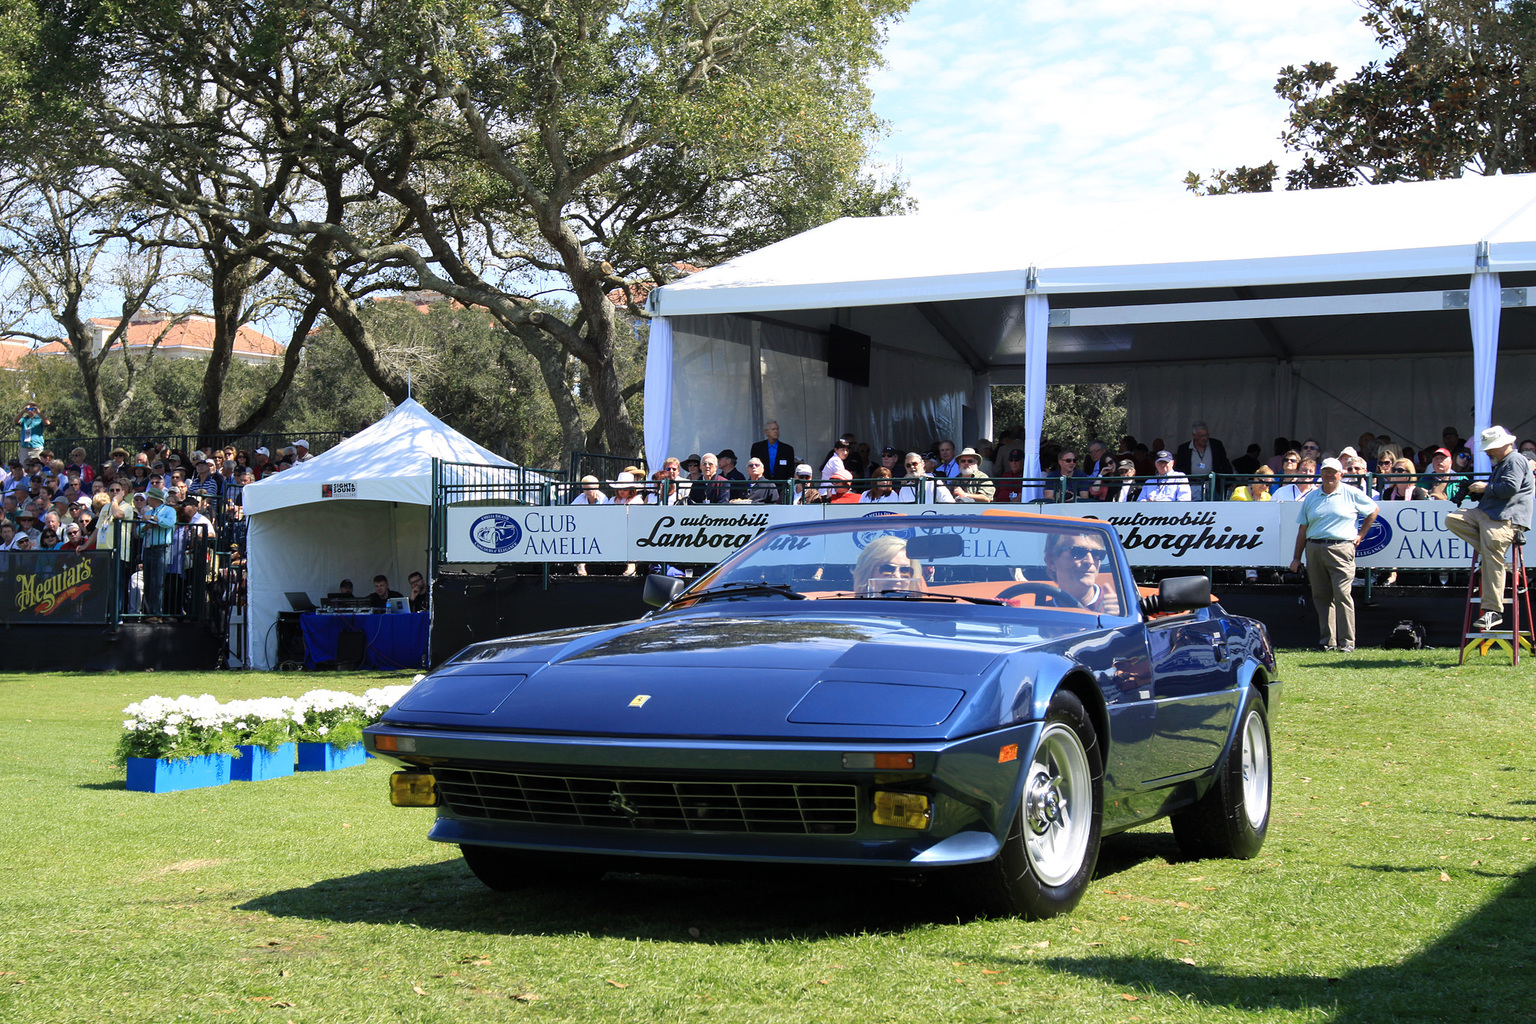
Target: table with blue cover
390,641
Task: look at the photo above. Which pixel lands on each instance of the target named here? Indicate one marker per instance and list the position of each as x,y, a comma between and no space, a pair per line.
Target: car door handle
1219,645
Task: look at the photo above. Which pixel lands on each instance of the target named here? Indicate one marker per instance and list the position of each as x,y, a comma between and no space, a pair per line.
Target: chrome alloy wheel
1255,770
1057,805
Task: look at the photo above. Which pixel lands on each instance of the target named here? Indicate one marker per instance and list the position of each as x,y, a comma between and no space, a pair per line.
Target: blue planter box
322,757
159,775
258,763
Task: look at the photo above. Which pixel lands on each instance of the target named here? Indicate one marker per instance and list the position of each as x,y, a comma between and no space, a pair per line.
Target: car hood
721,675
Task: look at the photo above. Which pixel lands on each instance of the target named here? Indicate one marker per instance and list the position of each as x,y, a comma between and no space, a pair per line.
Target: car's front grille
675,805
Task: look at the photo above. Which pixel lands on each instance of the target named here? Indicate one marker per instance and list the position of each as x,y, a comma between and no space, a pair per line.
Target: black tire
509,870
1232,818
1048,857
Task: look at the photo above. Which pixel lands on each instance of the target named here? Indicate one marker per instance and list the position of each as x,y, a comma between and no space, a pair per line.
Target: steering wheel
1059,598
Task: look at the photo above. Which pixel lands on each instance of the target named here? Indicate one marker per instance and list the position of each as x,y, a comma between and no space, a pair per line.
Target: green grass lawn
1395,886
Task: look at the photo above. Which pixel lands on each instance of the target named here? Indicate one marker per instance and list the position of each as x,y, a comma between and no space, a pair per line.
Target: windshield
1019,561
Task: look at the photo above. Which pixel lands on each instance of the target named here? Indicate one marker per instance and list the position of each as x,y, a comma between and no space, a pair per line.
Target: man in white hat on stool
1503,512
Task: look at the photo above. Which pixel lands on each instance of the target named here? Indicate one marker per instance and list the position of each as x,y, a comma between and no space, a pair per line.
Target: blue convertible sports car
979,696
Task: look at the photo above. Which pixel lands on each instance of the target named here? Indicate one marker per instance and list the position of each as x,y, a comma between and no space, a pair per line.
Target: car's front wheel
1048,857
506,870
1232,818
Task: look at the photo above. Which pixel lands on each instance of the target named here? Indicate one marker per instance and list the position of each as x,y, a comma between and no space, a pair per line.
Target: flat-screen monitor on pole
848,355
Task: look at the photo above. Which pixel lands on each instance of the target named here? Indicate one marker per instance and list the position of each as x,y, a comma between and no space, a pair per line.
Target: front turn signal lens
903,810
413,789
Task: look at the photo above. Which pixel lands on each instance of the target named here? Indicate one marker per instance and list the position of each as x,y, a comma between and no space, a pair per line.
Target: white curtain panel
1484,305
658,393
711,387
1037,321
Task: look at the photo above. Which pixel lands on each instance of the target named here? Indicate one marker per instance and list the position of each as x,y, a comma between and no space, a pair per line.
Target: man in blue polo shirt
1327,533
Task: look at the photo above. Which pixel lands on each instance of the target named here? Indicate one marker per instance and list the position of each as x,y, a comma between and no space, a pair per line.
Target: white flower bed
163,727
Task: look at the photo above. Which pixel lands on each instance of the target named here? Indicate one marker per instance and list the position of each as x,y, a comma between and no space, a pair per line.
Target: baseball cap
1017,455
1441,451
301,443
262,451
726,453
1165,456
804,470
841,474
1333,464
1125,464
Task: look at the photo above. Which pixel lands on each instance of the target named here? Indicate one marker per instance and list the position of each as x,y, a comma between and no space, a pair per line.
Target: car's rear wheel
506,870
1048,857
1232,818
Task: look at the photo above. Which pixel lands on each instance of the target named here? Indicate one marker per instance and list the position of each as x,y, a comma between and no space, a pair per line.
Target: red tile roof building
191,338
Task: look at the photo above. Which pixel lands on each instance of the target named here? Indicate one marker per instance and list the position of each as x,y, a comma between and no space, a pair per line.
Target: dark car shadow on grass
763,904
731,904
1478,971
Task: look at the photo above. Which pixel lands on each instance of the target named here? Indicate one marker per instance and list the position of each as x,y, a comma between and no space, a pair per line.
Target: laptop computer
299,600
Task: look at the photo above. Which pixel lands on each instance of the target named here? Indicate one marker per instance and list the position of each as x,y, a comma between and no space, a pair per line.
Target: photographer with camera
31,421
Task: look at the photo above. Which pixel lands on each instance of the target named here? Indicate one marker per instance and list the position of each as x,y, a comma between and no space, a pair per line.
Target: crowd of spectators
988,471
164,511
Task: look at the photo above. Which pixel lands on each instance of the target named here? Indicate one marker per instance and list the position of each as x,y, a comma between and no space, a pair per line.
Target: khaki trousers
1331,572
1492,538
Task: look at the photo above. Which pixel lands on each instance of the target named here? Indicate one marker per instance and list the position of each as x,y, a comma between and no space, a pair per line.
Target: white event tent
1317,313
359,509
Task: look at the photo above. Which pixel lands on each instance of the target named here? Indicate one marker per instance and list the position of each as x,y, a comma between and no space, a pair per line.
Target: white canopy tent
360,509
1321,312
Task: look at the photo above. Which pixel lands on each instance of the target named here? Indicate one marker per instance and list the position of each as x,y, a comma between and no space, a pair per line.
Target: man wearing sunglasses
1075,561
1065,473
922,488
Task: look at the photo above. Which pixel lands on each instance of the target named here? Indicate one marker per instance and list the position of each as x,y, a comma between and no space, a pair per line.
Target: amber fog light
413,789
903,810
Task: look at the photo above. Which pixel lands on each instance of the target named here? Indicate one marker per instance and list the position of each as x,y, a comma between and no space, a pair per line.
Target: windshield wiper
743,589
919,595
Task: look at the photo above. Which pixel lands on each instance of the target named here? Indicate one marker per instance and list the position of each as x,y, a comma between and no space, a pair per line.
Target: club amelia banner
1406,535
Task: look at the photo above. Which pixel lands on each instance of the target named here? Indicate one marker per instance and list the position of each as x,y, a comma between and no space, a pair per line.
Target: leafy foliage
1456,95
490,152
1074,413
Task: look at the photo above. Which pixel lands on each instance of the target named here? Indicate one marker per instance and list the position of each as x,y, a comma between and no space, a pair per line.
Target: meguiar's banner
1406,534
55,586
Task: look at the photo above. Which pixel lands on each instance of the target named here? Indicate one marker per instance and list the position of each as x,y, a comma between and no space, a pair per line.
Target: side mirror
1179,594
659,590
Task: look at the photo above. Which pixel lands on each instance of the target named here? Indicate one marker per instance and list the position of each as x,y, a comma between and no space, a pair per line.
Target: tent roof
1410,230
389,461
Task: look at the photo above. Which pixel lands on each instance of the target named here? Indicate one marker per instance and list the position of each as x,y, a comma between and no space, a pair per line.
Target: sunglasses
1071,459
892,569
1078,551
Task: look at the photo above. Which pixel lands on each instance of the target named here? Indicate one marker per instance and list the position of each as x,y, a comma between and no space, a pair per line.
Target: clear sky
996,105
